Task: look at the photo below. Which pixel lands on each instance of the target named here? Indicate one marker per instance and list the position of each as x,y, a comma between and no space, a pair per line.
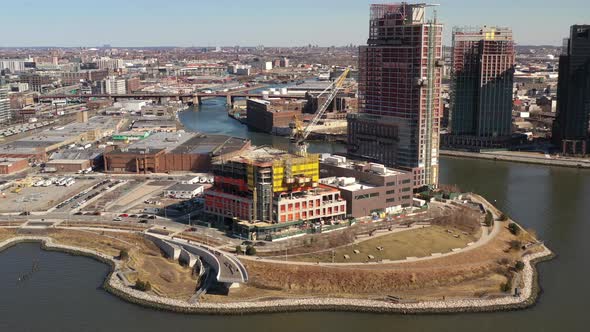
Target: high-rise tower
570,129
4,105
400,72
483,78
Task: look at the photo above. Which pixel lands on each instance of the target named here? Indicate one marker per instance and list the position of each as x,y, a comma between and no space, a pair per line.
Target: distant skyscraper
5,114
400,104
481,94
570,129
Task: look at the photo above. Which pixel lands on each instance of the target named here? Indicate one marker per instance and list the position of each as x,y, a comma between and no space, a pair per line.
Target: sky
135,23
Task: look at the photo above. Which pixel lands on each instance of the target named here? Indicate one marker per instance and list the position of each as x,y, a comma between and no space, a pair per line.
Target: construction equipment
298,145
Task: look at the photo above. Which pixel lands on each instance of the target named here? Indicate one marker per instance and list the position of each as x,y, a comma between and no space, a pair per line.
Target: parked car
117,219
124,215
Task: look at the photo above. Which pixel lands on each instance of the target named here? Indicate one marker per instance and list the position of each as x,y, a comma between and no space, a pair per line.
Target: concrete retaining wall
207,257
171,250
187,257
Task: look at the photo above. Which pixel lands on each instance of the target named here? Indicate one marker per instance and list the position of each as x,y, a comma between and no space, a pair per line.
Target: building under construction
267,185
481,99
400,105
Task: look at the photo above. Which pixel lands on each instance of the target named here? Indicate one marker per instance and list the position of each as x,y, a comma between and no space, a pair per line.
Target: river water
65,295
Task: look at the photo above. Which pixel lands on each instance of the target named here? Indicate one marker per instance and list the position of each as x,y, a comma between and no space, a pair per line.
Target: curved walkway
485,238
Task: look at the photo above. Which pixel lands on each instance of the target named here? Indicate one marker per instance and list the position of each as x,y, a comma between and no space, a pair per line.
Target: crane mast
298,145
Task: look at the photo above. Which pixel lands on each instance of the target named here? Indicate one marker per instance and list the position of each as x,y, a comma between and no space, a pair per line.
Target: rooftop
262,155
184,187
187,143
342,162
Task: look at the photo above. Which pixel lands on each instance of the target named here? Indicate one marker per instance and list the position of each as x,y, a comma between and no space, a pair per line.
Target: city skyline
63,23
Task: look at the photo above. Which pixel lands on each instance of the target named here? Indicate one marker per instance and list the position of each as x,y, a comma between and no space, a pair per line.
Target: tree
238,249
503,217
143,286
123,254
489,221
506,286
514,228
519,266
250,251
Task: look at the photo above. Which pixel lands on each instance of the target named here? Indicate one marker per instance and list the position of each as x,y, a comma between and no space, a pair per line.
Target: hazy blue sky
268,22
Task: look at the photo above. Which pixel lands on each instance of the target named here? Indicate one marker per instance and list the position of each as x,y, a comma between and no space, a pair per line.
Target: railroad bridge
188,98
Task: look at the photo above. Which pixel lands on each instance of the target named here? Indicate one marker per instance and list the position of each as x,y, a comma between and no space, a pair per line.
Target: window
390,200
374,195
405,190
406,197
390,192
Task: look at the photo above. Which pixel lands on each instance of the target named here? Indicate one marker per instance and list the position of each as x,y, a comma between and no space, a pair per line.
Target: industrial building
74,159
272,115
37,146
270,186
154,125
481,98
173,152
368,188
400,104
342,104
12,165
570,129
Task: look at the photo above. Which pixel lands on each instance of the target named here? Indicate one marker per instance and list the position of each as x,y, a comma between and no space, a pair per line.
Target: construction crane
298,145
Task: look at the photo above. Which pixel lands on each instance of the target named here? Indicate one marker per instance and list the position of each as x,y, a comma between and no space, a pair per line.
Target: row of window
317,213
366,196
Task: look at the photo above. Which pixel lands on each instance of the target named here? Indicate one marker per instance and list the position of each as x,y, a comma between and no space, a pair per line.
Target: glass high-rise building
400,104
482,88
570,128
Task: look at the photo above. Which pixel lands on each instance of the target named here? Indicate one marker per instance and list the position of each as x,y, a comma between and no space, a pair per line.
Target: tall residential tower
400,72
570,129
481,97
5,114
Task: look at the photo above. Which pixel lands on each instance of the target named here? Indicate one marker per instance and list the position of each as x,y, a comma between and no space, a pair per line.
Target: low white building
184,191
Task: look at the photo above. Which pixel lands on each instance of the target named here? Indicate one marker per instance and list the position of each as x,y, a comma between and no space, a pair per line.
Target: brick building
367,187
270,114
172,152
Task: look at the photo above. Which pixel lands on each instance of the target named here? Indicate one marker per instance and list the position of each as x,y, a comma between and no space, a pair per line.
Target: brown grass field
395,246
472,273
168,278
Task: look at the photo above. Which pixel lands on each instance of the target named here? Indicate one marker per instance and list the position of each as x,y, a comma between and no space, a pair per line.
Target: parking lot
82,198
36,199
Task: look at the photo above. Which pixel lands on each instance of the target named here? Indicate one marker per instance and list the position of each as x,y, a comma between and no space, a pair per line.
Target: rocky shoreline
114,285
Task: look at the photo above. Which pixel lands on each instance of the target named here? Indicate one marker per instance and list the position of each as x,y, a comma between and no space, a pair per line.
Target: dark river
65,294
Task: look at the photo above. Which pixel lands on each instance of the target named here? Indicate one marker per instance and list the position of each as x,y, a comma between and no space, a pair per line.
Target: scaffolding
292,173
